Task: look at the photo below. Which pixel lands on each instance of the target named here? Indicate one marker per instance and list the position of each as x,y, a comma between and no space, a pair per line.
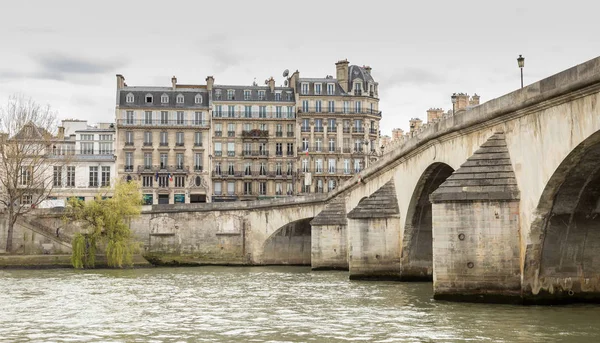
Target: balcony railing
290,134
255,134
179,144
358,130
340,111
147,143
346,130
254,114
290,153
319,129
163,168
218,133
305,129
198,168
278,134
128,168
218,153
164,144
264,153
144,122
230,133
231,153
373,131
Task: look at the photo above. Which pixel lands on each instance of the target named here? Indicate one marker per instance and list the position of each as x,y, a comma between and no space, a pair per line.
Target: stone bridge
497,203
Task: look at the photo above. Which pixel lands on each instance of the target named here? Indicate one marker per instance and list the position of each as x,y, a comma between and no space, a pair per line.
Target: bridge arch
417,246
289,245
561,262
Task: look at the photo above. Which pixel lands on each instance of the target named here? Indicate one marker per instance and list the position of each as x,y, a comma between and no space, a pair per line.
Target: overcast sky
66,53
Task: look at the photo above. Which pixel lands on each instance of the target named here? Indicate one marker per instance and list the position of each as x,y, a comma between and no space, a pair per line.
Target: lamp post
521,62
453,97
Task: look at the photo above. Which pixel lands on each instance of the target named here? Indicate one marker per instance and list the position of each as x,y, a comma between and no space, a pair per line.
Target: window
230,94
231,168
179,181
105,148
318,125
247,168
198,138
330,88
357,88
163,160
290,130
198,118
290,149
164,138
278,169
356,166
148,98
198,162
288,96
198,99
179,139
93,177
26,199
318,89
277,96
290,168
129,99
70,176
278,112
278,149
163,181
147,160
262,168
261,95
26,175
318,166
330,185
248,111
105,176
230,188
87,148
179,160
180,117
57,177
262,111
147,138
358,125
262,127
305,106
218,129
358,145
147,181
148,117
346,166
129,117
305,144
105,137
231,111
247,126
318,106
305,166
180,99
319,186
331,124
262,188
305,125
128,137
289,189
218,151
247,94
218,113
331,166
319,144
217,94
87,137
247,188
278,188
346,107
164,99
230,149
128,161
304,88
331,144
357,107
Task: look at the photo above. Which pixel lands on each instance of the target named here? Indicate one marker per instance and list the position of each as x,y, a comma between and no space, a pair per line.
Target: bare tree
26,158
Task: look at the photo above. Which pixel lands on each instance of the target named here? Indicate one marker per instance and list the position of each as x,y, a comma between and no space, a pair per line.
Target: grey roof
139,94
324,81
333,214
486,175
239,93
356,72
381,204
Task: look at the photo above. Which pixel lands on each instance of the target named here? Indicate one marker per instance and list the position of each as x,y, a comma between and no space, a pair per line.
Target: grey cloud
221,52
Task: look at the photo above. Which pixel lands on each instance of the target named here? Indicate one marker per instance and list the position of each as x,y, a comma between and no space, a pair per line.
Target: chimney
434,114
415,124
462,101
368,69
397,133
210,81
61,132
272,84
293,79
174,82
341,68
474,100
120,81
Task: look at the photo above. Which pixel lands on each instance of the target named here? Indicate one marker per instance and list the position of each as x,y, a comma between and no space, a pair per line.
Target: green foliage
105,223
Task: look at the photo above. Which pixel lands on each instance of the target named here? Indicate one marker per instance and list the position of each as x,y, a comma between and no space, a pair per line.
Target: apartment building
163,141
338,126
254,142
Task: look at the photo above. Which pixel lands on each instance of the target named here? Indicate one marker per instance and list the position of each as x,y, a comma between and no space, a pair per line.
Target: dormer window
330,88
230,94
318,89
288,96
357,88
217,94
304,88
148,98
261,95
247,94
164,99
278,96
129,98
198,99
180,99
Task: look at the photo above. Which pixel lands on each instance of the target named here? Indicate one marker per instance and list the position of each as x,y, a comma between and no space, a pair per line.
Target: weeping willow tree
105,226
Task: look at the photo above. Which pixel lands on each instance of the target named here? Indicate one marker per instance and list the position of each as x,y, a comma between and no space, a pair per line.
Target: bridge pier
329,237
476,249
373,236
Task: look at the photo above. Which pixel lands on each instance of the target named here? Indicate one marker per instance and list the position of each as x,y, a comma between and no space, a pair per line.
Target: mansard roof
140,93
239,93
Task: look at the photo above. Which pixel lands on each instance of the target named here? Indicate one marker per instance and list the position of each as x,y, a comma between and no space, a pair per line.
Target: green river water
262,304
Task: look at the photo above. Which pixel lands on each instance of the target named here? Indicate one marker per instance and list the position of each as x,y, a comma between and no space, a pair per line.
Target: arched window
198,99
164,99
180,98
148,98
129,98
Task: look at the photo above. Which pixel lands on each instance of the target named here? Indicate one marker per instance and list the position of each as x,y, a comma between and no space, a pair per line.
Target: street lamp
453,97
521,62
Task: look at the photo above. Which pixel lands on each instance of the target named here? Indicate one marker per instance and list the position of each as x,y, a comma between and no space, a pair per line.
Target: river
261,304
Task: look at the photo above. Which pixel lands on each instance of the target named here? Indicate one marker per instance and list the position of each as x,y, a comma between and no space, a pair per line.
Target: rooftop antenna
285,74
254,82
